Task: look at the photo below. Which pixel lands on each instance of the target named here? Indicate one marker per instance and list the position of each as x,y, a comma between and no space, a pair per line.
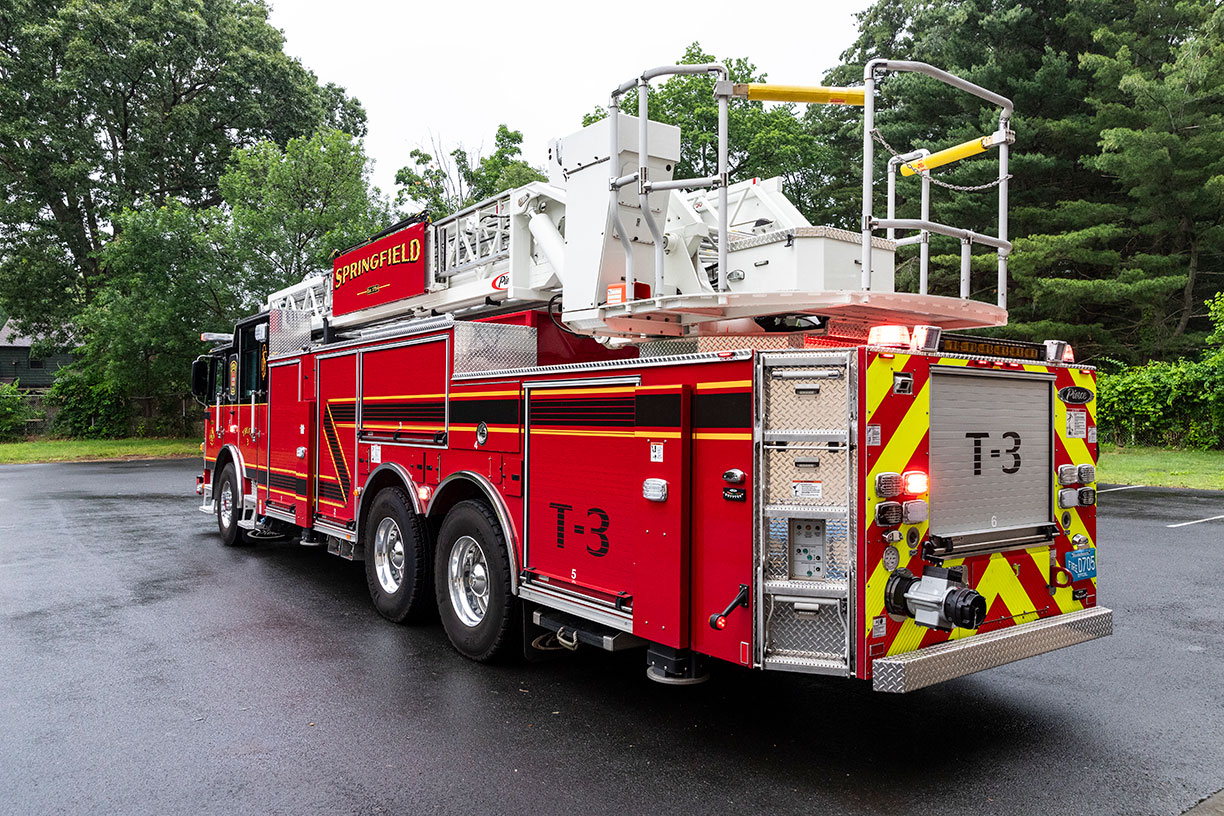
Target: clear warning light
889,336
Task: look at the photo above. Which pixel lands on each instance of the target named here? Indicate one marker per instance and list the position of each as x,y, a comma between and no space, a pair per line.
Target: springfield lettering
404,252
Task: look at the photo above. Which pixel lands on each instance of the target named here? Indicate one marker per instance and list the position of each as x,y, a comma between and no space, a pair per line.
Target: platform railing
1001,140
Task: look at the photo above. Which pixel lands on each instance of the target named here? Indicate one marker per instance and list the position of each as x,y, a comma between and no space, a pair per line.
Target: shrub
14,411
90,408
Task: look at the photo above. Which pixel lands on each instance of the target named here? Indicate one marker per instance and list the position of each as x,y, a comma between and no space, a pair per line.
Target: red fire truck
626,410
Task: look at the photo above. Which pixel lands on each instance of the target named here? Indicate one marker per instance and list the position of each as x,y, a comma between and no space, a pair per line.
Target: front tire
229,507
395,558
472,582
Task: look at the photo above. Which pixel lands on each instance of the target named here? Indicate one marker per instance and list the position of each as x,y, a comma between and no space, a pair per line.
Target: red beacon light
898,336
915,482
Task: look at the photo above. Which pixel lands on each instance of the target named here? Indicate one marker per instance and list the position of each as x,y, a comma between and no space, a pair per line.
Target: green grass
1160,467
84,450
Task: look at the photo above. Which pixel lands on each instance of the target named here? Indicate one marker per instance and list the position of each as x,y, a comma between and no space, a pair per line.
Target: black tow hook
719,619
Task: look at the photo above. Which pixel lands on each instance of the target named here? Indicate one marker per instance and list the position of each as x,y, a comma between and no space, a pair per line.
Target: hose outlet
938,600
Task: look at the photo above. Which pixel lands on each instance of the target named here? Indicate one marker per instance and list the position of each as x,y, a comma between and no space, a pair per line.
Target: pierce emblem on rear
1076,395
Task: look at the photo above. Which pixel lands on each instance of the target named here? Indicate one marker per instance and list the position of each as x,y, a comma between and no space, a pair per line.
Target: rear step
571,630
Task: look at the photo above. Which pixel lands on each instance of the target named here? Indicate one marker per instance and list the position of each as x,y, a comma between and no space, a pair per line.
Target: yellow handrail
948,155
817,95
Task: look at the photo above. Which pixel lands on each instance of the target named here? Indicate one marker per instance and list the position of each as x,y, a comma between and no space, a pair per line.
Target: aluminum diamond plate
493,347
820,635
956,658
288,331
813,476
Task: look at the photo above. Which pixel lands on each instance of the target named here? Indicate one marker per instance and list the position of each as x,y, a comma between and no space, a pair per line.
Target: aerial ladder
625,252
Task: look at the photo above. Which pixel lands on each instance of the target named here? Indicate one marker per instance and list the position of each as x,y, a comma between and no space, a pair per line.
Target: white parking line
1124,487
1198,521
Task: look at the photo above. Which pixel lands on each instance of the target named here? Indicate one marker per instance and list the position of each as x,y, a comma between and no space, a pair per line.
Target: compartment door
337,437
595,541
289,434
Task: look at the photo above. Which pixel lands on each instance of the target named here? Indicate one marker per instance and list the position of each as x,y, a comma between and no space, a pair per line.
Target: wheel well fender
388,474
464,485
228,454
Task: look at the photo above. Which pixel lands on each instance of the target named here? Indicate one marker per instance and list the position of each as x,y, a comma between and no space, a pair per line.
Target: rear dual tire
472,582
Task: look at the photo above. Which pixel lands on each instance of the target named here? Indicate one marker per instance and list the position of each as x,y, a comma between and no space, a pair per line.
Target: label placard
1077,424
807,490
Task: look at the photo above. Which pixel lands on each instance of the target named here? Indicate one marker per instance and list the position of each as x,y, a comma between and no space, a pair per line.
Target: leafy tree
441,183
114,104
178,271
291,209
1078,269
762,142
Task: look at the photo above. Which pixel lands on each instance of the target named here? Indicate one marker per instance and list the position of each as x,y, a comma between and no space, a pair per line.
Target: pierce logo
501,282
1076,395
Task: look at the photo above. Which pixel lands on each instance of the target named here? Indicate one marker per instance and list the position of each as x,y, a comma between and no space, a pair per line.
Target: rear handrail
1000,140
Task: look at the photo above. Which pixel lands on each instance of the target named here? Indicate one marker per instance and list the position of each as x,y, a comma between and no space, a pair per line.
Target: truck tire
472,582
397,571
229,507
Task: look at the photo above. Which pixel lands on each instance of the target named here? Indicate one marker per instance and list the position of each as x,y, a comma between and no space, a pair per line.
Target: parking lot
146,668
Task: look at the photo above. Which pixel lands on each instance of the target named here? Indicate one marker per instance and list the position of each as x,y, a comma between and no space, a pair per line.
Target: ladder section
806,521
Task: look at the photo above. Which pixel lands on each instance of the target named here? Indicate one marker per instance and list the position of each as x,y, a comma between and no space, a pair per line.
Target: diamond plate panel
666,348
787,479
777,549
789,405
493,347
725,342
956,658
837,549
288,331
795,634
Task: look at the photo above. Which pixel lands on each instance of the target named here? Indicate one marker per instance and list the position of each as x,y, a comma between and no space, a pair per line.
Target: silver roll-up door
991,448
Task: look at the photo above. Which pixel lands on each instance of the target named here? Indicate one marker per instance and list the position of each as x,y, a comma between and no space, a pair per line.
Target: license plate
1082,563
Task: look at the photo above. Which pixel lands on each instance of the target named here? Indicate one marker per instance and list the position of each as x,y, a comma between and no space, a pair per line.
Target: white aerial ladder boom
630,252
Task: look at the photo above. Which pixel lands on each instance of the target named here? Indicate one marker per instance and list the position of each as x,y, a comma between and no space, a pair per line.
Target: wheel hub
226,505
468,579
389,555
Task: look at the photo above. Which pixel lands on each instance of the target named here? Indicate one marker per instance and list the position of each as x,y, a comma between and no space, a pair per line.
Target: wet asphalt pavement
145,668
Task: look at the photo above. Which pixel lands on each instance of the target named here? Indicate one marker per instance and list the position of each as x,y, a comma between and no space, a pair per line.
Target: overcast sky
455,71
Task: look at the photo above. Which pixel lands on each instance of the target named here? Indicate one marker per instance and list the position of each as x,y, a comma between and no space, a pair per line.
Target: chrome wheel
468,579
389,555
226,504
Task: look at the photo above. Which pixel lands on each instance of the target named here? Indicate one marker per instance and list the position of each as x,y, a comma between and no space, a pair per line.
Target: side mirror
199,378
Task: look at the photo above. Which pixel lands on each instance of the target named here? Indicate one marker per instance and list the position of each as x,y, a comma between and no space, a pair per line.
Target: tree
1079,270
762,142
177,270
1163,142
291,209
114,104
441,183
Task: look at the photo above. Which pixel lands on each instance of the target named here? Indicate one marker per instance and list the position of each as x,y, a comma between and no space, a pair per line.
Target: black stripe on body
722,410
657,410
491,411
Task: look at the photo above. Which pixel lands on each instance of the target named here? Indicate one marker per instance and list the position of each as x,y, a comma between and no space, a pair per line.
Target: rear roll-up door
991,448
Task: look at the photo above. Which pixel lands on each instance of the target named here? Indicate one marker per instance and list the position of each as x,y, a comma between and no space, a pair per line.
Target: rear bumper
957,658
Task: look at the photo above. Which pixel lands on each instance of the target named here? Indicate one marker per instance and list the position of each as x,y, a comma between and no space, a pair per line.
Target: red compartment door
337,437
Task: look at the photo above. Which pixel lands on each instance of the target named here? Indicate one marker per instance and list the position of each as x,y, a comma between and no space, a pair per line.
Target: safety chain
875,132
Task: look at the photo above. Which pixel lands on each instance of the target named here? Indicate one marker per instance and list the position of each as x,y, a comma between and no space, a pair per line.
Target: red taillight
889,336
720,622
916,482
424,492
1068,354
